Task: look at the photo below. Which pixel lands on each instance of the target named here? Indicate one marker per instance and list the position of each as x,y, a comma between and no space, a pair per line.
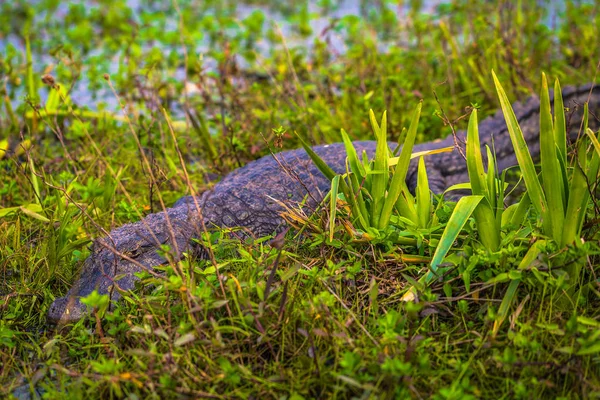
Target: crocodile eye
134,252
145,247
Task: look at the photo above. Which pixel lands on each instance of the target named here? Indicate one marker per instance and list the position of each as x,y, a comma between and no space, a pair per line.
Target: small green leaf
593,349
184,339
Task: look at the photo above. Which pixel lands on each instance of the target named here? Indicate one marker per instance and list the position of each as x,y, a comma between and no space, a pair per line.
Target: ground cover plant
110,112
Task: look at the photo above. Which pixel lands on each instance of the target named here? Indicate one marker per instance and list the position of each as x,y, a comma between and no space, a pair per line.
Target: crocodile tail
450,168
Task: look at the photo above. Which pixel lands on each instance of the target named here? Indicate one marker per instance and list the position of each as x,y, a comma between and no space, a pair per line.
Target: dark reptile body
248,198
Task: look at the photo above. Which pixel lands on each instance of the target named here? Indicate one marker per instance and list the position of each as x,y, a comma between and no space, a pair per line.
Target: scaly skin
247,197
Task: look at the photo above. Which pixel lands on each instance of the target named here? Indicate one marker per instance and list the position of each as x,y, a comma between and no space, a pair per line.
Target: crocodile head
116,258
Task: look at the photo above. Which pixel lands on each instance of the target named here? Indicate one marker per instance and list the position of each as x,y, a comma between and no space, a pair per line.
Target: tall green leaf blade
477,175
423,195
374,124
551,173
398,183
594,140
356,211
335,182
586,115
367,166
578,197
522,152
565,178
358,172
463,210
384,128
322,165
494,186
355,165
487,228
409,142
35,182
380,169
591,173
593,166
560,126
330,174
354,186
507,301
585,170
356,200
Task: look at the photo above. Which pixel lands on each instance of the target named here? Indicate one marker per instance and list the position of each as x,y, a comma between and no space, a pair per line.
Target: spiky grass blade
423,196
585,170
485,217
494,186
322,165
463,210
477,175
31,87
551,172
330,174
579,194
335,182
355,165
380,170
489,233
560,126
524,159
394,160
507,301
398,183
594,140
35,183
356,178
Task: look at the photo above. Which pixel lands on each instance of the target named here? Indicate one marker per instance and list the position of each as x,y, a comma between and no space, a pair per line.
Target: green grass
325,316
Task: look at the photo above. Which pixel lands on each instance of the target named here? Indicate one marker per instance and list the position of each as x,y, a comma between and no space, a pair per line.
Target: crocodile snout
65,310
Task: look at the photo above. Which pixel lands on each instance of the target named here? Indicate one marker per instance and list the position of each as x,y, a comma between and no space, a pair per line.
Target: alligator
253,197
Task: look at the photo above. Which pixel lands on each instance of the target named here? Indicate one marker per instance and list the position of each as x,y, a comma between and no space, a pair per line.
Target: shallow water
91,92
